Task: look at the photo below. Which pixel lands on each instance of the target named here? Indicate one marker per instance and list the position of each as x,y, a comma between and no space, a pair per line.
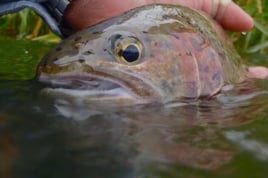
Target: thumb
228,14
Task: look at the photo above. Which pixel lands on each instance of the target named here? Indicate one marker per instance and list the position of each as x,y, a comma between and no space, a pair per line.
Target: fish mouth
84,85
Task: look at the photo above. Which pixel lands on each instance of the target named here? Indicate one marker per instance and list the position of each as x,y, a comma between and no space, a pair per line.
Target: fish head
115,64
155,53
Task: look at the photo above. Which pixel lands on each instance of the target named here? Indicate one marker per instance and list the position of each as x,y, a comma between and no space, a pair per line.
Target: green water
44,138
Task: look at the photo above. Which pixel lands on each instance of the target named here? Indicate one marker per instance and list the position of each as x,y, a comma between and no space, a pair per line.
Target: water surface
42,137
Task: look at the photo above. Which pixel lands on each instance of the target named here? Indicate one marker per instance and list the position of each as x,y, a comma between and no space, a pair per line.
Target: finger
235,19
228,14
258,72
83,13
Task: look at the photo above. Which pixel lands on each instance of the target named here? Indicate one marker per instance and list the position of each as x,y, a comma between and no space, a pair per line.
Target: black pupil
131,53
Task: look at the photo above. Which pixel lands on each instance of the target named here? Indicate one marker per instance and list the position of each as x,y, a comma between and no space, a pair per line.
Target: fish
158,53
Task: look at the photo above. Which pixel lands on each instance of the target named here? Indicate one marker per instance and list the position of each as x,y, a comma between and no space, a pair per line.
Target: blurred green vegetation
255,41
26,24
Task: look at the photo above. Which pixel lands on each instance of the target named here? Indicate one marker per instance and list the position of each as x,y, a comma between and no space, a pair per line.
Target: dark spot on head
173,84
195,44
81,59
77,38
211,54
174,71
191,88
188,53
59,48
192,22
165,46
115,37
216,76
146,38
200,39
206,69
89,52
164,84
96,32
175,35
155,44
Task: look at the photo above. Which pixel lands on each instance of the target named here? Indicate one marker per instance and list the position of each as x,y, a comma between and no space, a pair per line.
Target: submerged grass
26,24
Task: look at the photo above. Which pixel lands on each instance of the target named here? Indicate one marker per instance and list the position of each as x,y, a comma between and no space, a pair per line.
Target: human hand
83,13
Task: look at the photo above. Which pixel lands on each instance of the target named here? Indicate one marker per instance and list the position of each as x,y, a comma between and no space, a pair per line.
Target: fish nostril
81,59
87,52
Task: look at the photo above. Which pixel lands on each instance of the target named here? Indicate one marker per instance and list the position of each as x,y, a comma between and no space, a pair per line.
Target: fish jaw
90,88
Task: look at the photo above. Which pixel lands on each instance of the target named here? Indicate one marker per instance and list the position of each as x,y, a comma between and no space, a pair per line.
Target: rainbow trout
154,53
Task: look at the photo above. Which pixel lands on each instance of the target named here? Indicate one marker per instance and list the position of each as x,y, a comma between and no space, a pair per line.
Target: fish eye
129,53
128,50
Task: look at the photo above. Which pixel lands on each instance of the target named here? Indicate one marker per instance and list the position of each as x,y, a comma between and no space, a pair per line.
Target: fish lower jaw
87,87
112,98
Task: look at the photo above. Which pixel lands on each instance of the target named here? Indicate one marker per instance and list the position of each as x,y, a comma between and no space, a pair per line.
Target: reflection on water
43,137
260,149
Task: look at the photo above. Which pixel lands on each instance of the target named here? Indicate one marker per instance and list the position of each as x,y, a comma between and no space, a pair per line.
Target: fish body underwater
155,53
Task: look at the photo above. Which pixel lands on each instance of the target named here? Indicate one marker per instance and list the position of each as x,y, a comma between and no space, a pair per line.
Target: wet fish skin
180,53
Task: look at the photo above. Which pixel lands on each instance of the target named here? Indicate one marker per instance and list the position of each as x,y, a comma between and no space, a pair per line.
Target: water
42,137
